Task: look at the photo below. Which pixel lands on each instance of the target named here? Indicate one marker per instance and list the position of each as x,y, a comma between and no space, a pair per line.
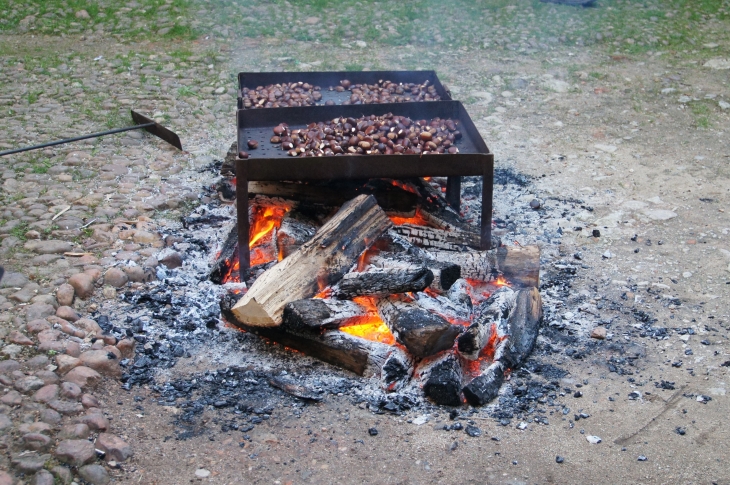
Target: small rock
642,458
75,452
126,347
89,326
50,246
46,393
65,363
78,431
95,421
83,285
115,448
594,440
89,401
30,463
172,260
596,233
37,362
109,293
5,422
37,311
559,459
373,431
473,431
62,474
535,204
28,384
83,14
607,255
634,395
599,333
67,313
50,416
37,326
202,473
83,376
6,479
43,477
115,277
19,339
102,361
13,280
36,441
65,407
577,394
69,390
94,474
65,294
12,398
8,366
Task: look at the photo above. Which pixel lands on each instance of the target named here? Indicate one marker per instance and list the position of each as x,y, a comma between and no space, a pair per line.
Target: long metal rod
78,138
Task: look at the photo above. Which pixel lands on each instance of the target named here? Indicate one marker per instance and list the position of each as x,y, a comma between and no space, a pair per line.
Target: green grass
20,230
701,112
354,67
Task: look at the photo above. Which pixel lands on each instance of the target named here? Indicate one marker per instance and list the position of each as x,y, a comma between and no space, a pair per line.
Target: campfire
363,259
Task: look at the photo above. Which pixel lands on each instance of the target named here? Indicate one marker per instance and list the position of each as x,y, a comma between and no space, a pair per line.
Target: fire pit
395,284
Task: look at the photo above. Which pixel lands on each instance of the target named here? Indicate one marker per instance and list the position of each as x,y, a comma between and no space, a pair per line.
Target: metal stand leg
244,256
485,240
453,192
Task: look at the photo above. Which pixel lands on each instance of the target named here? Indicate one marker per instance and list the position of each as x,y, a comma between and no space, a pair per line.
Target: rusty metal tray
325,79
269,162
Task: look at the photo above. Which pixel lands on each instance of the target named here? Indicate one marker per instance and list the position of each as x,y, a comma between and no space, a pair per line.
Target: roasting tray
325,79
269,162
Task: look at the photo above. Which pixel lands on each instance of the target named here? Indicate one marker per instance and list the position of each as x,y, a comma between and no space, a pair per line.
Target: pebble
75,452
172,260
66,362
599,333
65,294
373,431
12,398
202,473
69,390
30,463
50,246
78,431
473,431
18,338
83,285
642,458
559,459
67,313
102,361
114,447
43,477
28,384
535,204
115,277
594,440
36,441
46,393
95,421
83,376
94,474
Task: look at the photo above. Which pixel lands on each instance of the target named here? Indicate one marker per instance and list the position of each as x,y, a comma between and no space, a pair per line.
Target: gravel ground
615,116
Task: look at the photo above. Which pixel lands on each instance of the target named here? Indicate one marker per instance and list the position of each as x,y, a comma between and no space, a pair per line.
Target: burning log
318,313
442,379
520,265
381,282
420,331
436,210
484,388
397,370
491,318
292,234
523,326
222,265
390,197
430,238
459,293
444,274
443,307
320,262
361,356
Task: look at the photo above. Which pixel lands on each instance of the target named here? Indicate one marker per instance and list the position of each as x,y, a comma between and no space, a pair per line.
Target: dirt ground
642,140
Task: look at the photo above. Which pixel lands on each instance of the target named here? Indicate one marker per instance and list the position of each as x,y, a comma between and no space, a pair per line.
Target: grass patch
354,67
19,231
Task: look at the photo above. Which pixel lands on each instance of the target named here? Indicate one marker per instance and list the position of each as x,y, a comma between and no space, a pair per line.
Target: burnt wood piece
523,326
292,234
288,385
397,370
318,313
490,316
443,381
320,262
335,193
443,307
420,331
459,293
484,388
430,238
363,357
444,274
520,265
225,257
381,282
436,209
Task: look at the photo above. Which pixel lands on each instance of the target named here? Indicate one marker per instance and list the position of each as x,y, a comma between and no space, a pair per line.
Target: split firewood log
381,282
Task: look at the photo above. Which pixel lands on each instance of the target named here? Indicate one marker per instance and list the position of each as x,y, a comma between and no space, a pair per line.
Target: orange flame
501,282
417,219
369,327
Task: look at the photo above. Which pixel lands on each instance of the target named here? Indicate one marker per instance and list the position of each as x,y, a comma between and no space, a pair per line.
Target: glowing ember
370,327
501,282
417,220
264,221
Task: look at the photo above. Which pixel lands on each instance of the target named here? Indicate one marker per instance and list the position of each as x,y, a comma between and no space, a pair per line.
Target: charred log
321,261
443,307
459,293
430,238
292,234
523,326
519,265
225,257
436,210
485,387
443,381
229,163
316,313
420,331
490,316
397,370
444,274
382,282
